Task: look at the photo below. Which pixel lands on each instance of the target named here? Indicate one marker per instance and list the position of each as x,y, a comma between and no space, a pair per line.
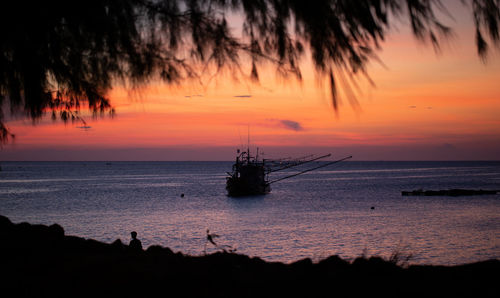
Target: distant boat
449,192
250,176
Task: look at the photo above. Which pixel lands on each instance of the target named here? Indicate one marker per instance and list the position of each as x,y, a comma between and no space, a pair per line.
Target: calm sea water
317,214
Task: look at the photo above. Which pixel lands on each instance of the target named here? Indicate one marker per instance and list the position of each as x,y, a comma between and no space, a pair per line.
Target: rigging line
300,163
308,170
248,144
241,140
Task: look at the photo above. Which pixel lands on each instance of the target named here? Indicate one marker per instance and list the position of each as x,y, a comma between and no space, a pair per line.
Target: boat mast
248,144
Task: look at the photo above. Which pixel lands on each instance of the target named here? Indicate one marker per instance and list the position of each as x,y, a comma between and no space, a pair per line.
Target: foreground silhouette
211,239
135,244
40,261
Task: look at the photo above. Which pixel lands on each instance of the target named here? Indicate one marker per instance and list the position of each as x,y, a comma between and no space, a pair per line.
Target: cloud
243,96
292,125
414,107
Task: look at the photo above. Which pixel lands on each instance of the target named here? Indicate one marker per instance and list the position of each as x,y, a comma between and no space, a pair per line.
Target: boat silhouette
250,175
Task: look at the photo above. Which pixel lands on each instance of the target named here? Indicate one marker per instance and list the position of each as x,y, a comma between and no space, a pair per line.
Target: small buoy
372,208
182,195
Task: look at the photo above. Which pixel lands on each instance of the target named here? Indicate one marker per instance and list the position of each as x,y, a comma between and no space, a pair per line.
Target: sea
350,209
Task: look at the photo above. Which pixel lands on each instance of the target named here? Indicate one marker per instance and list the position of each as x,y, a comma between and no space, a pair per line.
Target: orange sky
424,106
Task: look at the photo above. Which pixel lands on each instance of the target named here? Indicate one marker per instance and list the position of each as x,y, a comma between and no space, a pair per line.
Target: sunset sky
425,106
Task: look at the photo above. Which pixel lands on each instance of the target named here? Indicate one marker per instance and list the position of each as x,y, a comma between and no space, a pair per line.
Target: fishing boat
250,175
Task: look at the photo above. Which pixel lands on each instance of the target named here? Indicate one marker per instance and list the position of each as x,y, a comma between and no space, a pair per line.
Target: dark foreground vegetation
40,261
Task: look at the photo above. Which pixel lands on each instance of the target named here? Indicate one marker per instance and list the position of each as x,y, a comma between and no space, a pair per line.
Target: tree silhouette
58,55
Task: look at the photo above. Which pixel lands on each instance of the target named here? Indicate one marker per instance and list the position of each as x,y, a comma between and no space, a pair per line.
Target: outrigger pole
299,163
308,170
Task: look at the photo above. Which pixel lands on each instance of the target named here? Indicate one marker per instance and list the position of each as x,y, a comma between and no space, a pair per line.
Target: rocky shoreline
41,261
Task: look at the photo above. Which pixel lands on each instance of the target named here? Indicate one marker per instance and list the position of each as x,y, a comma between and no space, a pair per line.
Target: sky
424,106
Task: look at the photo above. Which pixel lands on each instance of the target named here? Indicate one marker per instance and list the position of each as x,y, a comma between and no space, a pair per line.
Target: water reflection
317,215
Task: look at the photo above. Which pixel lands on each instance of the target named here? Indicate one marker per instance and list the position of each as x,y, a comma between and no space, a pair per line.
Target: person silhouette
135,244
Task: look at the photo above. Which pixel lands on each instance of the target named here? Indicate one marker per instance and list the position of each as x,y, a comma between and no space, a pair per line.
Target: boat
449,192
250,175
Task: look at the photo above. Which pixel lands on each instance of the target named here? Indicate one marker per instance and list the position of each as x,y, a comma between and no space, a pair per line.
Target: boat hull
238,188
